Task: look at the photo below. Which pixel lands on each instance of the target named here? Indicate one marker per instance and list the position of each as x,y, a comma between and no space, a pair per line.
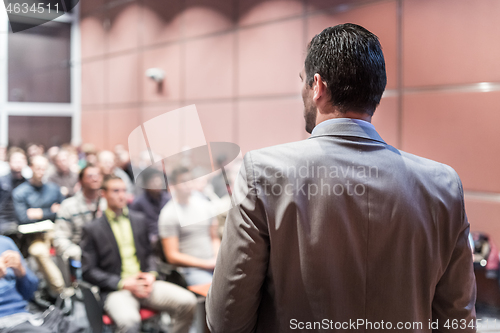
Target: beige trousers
123,307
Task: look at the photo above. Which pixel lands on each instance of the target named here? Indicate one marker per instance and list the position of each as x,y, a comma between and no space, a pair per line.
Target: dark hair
149,174
172,180
107,179
349,59
82,172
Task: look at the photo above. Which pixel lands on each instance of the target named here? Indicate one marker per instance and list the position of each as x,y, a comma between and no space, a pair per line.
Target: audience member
8,220
34,149
51,156
152,200
17,285
107,163
77,211
123,161
117,257
88,155
63,176
73,159
36,201
194,246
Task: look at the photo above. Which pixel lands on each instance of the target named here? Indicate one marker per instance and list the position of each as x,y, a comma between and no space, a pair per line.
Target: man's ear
319,87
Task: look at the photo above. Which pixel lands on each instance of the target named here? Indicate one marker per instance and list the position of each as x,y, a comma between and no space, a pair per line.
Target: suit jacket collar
106,227
347,129
112,215
111,236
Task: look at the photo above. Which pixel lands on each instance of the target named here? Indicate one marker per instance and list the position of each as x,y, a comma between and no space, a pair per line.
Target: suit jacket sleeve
455,294
235,294
90,269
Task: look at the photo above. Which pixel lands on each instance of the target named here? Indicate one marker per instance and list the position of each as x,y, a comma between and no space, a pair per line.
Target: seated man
117,257
63,176
194,246
8,220
106,161
77,211
17,285
35,201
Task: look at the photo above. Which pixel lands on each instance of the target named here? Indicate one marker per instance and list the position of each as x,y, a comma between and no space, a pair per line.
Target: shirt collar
360,122
111,216
348,128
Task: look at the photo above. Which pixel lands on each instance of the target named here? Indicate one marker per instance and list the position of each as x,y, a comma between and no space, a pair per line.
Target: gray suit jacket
339,229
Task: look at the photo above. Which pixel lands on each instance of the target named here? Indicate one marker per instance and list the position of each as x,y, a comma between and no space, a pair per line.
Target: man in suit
343,231
117,257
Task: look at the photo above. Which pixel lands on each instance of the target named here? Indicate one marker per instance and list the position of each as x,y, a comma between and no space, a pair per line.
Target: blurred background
82,78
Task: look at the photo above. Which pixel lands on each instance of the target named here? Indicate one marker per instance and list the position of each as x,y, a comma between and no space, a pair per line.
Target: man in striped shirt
75,212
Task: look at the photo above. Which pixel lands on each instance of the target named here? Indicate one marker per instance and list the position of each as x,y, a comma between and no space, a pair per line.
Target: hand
148,278
146,281
137,286
3,268
34,213
209,264
55,207
12,259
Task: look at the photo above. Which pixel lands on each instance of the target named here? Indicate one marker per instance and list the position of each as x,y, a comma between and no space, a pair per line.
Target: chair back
92,306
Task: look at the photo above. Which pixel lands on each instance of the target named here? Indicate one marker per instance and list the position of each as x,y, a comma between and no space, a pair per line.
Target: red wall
238,62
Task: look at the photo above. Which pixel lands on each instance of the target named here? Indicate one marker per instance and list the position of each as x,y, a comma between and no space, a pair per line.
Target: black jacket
8,219
101,261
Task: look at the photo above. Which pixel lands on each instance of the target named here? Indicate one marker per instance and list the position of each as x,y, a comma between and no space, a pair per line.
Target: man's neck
155,196
16,175
36,182
321,117
181,200
90,195
117,211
